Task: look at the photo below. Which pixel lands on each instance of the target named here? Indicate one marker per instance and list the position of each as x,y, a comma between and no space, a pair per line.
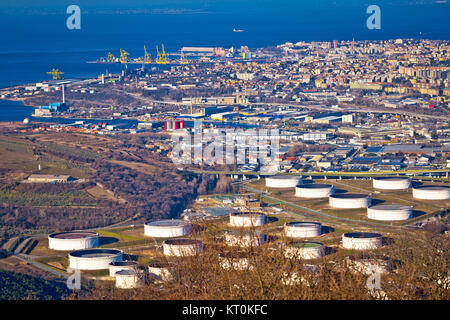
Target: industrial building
391,183
362,240
182,247
350,201
94,259
167,228
305,250
302,229
73,240
116,266
314,191
247,220
432,193
389,212
128,279
283,181
244,239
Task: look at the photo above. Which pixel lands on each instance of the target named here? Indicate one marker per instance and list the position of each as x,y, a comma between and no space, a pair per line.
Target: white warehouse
167,228
76,240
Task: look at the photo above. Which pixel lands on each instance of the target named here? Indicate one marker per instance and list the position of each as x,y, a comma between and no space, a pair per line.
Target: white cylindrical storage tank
235,261
369,265
94,259
244,239
302,229
432,193
167,228
247,220
73,240
362,240
305,250
161,271
314,191
128,279
391,183
283,181
389,212
182,247
122,265
350,201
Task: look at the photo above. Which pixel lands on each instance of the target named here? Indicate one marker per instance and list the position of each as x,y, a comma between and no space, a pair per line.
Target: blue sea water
33,42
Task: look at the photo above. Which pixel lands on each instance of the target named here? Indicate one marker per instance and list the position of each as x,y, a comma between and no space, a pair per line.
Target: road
321,107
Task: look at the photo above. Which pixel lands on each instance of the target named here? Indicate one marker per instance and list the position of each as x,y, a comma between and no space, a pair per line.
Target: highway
320,107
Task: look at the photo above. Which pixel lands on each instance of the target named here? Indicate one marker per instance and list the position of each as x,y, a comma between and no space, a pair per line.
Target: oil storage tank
244,239
362,240
244,219
94,259
128,279
350,201
167,228
161,271
391,183
122,265
313,191
283,181
432,192
304,250
389,212
298,229
73,240
182,247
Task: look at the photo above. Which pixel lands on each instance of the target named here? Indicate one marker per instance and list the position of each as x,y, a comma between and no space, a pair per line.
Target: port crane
123,56
110,57
56,74
183,58
147,56
161,57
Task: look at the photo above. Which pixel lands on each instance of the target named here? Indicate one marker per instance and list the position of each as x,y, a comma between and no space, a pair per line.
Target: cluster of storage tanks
84,255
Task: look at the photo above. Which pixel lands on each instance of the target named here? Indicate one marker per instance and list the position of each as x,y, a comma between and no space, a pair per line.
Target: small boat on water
238,30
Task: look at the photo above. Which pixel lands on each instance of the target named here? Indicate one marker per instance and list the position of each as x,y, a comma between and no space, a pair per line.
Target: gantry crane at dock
183,58
110,57
56,74
161,57
147,59
123,56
